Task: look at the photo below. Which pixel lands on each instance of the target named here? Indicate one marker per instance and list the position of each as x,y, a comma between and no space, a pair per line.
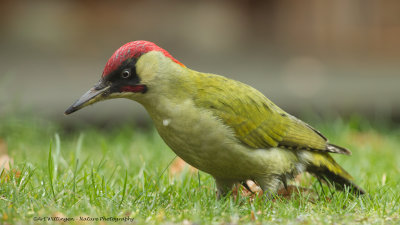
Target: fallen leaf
178,166
6,175
235,191
296,191
254,191
5,161
252,216
254,187
290,191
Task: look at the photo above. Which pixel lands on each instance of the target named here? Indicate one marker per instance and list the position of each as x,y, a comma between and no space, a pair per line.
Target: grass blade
124,189
50,165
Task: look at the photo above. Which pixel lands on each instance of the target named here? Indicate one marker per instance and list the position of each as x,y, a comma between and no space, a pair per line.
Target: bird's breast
205,142
194,134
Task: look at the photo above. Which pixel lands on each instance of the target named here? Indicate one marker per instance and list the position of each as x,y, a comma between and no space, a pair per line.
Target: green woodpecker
218,125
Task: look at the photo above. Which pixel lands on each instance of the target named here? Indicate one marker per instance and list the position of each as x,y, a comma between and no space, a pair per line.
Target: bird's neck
175,88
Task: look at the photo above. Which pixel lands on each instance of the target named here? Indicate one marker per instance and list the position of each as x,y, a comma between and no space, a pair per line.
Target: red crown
133,50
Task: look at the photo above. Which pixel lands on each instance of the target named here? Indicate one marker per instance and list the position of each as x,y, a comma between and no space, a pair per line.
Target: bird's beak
95,94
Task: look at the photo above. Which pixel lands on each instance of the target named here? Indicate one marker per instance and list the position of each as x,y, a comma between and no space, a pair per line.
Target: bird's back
256,120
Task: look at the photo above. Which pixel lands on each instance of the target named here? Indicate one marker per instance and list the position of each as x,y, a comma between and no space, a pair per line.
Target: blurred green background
326,57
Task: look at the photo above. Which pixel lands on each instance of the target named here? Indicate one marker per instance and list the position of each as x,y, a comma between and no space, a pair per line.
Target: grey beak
84,100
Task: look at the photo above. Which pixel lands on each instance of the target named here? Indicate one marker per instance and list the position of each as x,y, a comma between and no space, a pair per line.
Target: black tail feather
340,182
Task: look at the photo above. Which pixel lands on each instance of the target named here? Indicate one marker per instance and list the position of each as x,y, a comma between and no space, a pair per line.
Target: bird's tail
324,167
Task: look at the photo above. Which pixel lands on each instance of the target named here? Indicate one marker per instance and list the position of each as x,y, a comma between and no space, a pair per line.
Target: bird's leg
269,184
224,186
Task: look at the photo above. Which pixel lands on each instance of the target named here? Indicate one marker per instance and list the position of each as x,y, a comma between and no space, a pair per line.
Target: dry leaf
178,166
254,187
253,216
254,191
5,161
5,176
296,191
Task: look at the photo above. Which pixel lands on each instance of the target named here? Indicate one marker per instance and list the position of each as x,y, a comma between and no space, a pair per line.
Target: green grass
122,171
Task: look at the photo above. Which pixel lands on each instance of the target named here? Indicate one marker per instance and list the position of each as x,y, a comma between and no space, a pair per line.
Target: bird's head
131,72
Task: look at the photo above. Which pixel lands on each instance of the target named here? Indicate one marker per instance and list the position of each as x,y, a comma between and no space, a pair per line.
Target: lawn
123,172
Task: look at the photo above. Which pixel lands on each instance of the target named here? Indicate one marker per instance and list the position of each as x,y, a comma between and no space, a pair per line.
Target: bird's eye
125,73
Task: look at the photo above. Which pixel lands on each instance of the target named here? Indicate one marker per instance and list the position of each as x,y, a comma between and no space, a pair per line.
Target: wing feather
256,121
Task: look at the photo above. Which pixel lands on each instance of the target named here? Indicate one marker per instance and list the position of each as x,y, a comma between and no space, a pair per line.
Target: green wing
256,121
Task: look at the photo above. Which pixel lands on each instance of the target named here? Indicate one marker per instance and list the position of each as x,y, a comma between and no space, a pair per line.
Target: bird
218,125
